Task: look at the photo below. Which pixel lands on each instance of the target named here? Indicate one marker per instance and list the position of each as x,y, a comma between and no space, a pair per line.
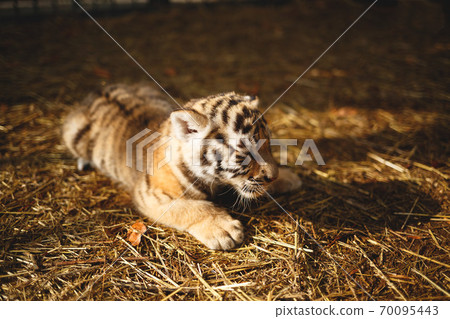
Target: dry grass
380,207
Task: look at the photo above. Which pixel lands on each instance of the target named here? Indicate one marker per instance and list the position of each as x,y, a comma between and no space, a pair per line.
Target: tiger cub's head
225,140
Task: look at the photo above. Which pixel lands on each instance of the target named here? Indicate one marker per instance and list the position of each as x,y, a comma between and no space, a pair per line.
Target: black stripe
232,102
220,137
122,108
233,170
247,112
238,123
204,160
246,128
254,115
225,116
147,181
212,133
90,146
256,134
186,172
215,107
165,194
141,196
255,112
80,134
244,172
218,166
191,110
156,196
137,110
197,183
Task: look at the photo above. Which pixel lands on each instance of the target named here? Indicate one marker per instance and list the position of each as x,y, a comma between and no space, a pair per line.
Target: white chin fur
253,195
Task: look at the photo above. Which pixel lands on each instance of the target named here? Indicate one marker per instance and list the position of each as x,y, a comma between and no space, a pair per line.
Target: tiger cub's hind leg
287,181
83,164
76,135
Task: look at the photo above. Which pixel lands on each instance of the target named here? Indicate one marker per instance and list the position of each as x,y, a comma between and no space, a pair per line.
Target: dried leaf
135,233
170,71
102,73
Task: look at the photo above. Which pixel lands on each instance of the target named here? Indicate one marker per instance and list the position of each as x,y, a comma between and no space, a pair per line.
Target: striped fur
182,193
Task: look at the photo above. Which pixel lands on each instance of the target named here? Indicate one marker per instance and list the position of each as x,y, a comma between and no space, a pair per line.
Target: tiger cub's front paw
286,182
220,232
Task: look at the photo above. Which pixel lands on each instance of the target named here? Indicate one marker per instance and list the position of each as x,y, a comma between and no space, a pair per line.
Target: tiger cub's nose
268,179
269,173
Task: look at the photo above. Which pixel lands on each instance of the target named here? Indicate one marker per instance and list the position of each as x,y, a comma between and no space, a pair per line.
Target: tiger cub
180,194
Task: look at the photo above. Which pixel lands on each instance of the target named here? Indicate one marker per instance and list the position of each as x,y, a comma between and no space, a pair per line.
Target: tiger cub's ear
187,124
252,100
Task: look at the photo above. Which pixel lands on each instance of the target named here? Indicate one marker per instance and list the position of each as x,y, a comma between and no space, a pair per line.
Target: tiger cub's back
97,131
